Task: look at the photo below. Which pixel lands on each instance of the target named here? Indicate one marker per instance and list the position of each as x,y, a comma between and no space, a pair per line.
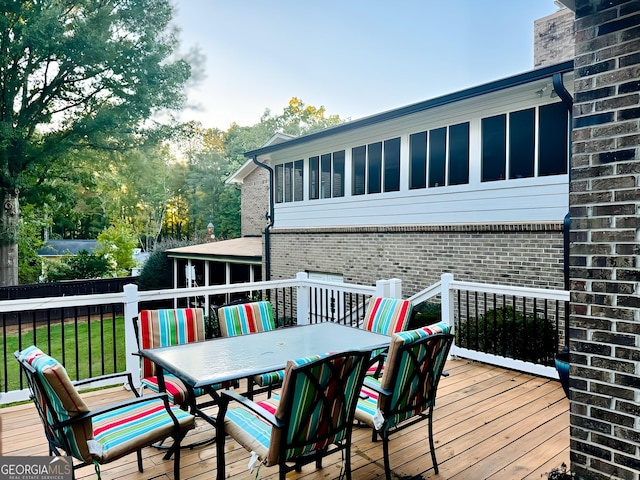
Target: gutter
269,216
567,100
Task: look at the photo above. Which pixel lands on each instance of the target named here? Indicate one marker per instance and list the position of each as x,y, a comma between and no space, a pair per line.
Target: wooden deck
489,423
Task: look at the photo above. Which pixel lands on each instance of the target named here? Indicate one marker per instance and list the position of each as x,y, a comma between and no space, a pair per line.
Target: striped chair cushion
386,316
121,431
246,318
63,399
401,396
175,388
163,328
268,379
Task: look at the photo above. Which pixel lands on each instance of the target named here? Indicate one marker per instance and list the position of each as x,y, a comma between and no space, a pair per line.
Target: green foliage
423,314
76,77
116,244
30,242
509,333
559,473
157,272
84,265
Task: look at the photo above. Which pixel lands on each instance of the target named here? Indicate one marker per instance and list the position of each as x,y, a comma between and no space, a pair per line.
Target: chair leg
347,461
220,437
176,459
139,455
385,456
431,446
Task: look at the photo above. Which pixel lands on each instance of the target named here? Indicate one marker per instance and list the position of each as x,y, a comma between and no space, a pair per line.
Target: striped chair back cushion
410,395
60,396
317,403
246,318
163,328
387,315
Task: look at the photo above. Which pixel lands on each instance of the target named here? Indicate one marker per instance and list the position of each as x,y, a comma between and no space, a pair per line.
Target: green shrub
423,314
157,272
509,333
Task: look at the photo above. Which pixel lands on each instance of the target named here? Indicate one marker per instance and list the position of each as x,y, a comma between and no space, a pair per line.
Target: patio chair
386,316
104,434
245,318
406,392
312,418
164,328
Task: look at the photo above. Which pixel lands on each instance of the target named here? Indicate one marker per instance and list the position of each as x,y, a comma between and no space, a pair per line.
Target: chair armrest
228,395
109,376
376,387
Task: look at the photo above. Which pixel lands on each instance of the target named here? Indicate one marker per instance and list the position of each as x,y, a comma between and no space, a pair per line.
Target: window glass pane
437,156
338,174
392,165
279,182
553,140
374,170
494,150
288,183
522,136
418,160
314,178
298,181
325,176
459,154
359,161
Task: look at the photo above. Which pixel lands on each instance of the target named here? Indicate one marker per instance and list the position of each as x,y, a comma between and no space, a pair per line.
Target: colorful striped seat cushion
163,328
387,315
175,388
126,429
63,399
402,394
257,435
269,379
246,318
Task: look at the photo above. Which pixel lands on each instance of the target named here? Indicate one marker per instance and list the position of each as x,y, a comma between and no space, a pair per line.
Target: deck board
489,423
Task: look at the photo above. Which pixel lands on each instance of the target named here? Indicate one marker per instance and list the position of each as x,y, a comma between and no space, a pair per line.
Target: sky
354,57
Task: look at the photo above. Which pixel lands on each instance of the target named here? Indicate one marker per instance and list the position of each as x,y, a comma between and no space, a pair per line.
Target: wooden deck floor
489,423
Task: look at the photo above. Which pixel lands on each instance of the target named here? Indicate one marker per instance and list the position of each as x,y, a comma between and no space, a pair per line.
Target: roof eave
476,91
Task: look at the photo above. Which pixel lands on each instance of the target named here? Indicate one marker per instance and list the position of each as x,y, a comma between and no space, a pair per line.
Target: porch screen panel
298,181
392,165
325,175
374,167
494,148
459,154
338,174
437,156
522,138
418,160
359,161
314,178
553,140
279,181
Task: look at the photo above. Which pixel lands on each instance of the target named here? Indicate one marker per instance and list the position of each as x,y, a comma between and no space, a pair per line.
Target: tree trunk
9,238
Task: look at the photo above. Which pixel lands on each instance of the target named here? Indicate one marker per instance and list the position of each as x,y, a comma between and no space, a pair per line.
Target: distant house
59,248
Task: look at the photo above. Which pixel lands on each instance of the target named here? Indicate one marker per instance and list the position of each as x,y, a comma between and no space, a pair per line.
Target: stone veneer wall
605,251
553,38
524,255
255,202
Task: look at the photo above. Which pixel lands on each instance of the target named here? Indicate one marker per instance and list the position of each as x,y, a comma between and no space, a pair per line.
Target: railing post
303,299
395,288
131,344
447,300
382,288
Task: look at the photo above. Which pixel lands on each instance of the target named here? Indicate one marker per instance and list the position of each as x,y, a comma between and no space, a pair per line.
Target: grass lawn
94,343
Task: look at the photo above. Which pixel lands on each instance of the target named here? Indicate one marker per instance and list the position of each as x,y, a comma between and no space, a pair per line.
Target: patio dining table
211,362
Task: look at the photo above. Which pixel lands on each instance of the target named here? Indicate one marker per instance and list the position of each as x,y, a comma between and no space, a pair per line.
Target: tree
77,75
116,243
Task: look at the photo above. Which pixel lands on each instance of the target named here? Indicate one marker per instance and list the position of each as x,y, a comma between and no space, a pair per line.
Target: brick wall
255,202
605,275
524,255
553,38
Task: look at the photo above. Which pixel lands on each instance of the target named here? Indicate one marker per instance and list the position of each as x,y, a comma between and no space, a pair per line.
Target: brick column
605,250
